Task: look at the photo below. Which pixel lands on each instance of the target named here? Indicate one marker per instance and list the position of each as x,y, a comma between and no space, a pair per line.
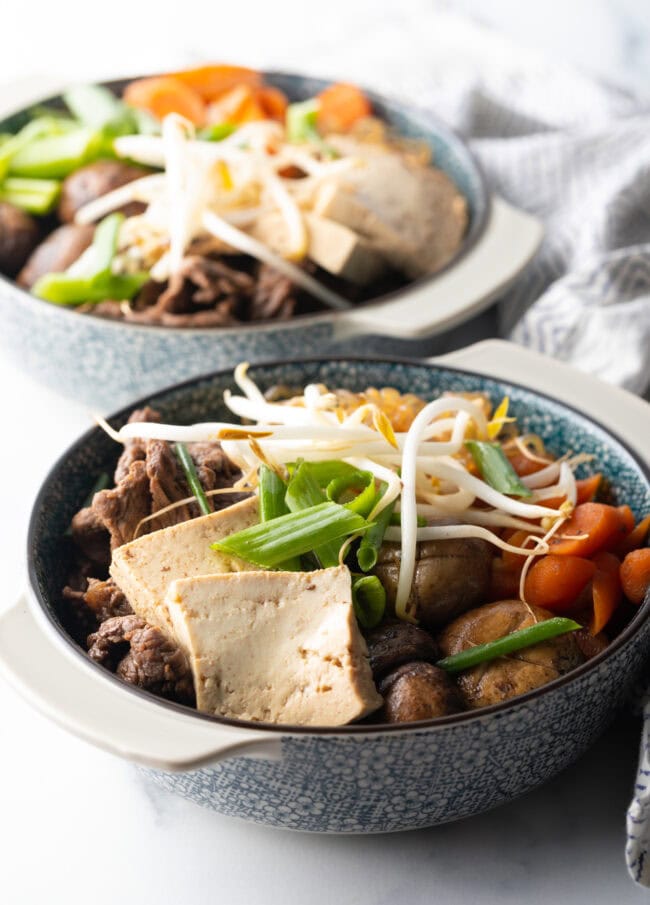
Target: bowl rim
414,111
355,729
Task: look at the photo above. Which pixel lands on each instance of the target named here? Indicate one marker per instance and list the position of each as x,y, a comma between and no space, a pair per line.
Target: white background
77,825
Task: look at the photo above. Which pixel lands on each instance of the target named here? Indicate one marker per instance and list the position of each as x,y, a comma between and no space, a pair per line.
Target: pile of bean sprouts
219,189
424,471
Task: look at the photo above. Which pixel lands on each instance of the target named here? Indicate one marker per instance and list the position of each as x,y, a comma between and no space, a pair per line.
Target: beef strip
167,484
90,536
135,449
274,296
141,655
106,600
122,509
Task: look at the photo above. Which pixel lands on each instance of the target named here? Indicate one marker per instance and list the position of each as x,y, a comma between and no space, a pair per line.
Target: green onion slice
342,490
192,478
368,600
371,542
495,468
525,637
272,490
271,543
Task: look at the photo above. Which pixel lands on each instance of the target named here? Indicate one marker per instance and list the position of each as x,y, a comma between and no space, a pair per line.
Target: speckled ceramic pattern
373,780
107,364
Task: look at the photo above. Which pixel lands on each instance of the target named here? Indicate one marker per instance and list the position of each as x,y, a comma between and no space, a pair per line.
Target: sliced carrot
239,105
603,526
553,502
273,101
635,575
607,590
628,518
165,94
211,82
516,560
340,107
635,538
587,488
556,582
522,464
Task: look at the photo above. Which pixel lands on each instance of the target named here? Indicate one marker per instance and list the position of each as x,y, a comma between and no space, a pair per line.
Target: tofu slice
278,647
143,568
333,246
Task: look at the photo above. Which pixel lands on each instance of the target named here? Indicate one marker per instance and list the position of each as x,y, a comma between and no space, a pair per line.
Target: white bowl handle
619,411
100,711
510,239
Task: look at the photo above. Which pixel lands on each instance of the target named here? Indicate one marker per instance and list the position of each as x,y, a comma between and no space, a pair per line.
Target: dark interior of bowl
449,152
73,476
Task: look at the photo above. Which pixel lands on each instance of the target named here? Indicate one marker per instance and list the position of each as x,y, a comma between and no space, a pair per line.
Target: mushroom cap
418,691
507,677
451,576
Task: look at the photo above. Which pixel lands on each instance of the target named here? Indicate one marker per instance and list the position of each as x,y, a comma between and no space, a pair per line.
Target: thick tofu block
279,647
333,246
144,567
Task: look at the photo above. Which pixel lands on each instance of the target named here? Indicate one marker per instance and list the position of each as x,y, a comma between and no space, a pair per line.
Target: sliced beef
122,509
61,249
142,655
135,450
166,484
274,296
91,537
105,600
19,236
94,180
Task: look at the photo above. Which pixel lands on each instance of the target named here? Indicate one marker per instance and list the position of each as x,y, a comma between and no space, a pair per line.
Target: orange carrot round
340,107
587,488
210,82
635,575
504,583
516,560
165,94
556,582
635,538
592,527
273,101
522,464
628,518
607,590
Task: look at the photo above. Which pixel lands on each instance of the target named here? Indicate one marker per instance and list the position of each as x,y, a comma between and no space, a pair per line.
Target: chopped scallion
495,468
525,637
271,543
192,478
368,600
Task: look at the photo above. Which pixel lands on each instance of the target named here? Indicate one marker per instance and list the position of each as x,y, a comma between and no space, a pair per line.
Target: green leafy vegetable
36,196
368,599
495,468
192,478
525,637
271,543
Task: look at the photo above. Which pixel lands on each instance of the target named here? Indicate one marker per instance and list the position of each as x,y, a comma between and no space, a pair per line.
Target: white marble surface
82,826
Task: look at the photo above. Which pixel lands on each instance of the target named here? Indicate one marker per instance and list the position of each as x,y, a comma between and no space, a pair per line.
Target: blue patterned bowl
107,363
357,779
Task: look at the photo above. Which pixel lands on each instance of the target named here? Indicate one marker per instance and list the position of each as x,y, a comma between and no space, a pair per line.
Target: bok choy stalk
270,544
